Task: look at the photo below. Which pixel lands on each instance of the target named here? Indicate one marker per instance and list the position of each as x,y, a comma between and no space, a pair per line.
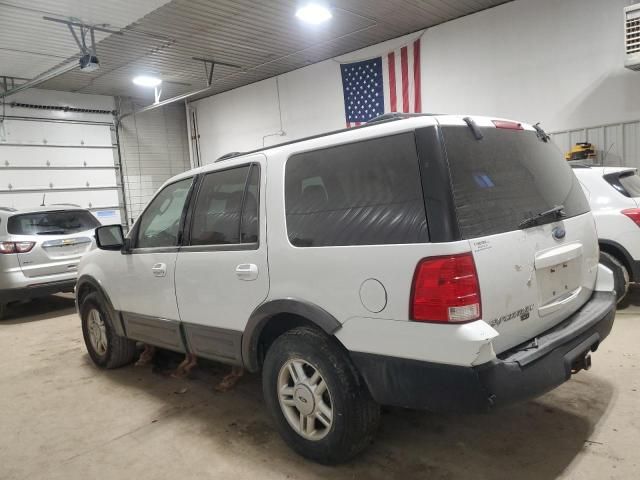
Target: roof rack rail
62,204
229,155
387,117
8,209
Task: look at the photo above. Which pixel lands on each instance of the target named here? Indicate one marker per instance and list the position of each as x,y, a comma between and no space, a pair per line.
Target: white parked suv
433,262
40,249
614,196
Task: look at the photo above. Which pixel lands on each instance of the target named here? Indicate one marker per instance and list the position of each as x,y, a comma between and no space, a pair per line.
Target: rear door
531,277
61,238
222,274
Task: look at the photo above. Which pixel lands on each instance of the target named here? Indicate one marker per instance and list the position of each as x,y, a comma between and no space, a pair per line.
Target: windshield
52,223
507,177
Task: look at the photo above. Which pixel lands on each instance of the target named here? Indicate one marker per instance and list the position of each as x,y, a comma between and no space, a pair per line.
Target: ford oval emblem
558,233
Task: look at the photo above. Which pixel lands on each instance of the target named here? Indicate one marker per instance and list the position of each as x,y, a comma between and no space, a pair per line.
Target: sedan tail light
16,247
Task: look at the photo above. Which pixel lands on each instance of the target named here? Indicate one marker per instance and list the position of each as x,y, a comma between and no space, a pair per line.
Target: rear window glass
631,184
506,177
365,193
52,223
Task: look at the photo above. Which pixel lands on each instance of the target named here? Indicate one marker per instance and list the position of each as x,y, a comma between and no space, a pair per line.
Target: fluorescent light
314,13
147,81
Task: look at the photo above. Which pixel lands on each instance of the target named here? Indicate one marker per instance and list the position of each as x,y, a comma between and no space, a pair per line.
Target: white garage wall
154,147
558,62
59,157
86,172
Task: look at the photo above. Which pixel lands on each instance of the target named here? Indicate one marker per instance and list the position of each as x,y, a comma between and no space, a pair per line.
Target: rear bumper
522,373
37,290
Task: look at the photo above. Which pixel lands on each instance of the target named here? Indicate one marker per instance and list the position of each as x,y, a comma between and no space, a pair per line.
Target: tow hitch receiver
580,357
581,363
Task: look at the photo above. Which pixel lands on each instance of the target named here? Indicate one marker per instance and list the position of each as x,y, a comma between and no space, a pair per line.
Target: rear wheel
3,310
321,407
105,347
620,274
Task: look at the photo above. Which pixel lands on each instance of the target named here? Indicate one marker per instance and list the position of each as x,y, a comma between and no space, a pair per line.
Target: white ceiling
262,37
30,45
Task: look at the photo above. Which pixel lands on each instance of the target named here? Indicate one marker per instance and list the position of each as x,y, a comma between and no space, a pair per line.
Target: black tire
620,274
3,311
119,350
355,414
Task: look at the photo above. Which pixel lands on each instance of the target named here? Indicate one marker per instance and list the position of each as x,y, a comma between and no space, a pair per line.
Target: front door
222,274
146,284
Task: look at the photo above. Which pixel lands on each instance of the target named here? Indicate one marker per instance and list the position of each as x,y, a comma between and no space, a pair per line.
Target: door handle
159,270
247,271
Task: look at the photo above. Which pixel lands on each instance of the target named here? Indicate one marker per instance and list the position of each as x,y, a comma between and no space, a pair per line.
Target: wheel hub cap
305,399
97,332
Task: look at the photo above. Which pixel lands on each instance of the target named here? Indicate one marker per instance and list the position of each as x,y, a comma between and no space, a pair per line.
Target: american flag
381,85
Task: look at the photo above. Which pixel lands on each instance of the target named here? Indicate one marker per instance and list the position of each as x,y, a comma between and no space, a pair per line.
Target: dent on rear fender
486,352
604,279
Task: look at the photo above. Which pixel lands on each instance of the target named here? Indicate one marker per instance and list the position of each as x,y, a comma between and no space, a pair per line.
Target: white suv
433,262
614,196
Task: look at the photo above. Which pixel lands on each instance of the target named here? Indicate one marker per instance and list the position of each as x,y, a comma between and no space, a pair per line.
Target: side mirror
110,237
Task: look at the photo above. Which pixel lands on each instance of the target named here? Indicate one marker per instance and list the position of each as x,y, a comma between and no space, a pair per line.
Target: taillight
16,247
633,214
508,125
446,289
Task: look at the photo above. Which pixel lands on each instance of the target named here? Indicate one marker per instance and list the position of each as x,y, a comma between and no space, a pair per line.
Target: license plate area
558,282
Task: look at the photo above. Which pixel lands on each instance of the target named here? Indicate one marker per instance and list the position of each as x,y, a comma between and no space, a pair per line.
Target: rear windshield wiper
473,126
555,212
542,135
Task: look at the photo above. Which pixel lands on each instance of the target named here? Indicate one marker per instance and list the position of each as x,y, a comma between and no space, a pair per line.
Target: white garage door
58,162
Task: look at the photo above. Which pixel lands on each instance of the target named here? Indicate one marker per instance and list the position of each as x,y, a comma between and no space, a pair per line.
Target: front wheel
105,347
320,405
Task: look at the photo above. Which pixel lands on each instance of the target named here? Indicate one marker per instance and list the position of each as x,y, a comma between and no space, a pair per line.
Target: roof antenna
604,159
42,204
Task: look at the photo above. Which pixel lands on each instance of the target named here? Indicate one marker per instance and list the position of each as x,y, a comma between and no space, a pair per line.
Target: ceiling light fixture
147,81
314,14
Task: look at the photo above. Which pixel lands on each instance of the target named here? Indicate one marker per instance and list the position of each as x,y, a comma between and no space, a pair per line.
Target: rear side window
630,182
365,193
52,223
226,210
507,177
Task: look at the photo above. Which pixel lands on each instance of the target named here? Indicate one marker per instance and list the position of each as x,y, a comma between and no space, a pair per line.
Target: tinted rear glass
507,177
52,223
631,183
364,193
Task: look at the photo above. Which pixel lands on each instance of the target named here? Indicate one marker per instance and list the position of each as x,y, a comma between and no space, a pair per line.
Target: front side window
226,210
160,222
364,193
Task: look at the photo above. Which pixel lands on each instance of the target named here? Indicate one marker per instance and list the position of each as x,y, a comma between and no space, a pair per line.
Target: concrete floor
62,418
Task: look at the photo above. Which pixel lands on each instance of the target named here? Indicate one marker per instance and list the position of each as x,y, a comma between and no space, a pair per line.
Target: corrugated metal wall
154,147
617,144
